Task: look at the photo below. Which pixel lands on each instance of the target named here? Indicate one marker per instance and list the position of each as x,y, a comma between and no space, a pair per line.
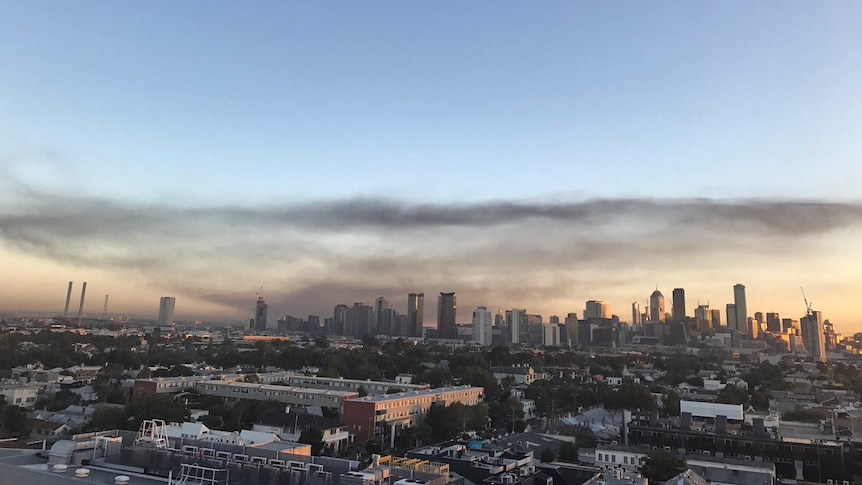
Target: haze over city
522,157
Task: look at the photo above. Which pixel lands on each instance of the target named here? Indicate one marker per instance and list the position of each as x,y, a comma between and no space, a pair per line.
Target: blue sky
202,104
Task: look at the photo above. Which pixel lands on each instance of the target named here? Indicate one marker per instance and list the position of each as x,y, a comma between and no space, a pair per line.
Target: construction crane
808,311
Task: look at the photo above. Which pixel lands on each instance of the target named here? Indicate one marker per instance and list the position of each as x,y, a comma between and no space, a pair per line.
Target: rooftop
409,394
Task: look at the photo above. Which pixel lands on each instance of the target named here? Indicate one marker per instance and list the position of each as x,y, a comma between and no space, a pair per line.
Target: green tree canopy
661,466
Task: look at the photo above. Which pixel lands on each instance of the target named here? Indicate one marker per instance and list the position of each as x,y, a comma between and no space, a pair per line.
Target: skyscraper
482,326
812,335
741,309
678,308
339,320
731,317
415,311
446,305
773,322
656,307
516,321
260,315
597,309
381,325
166,310
636,314
716,317
359,320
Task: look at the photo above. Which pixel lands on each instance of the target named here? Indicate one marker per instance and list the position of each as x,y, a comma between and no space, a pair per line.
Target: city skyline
522,157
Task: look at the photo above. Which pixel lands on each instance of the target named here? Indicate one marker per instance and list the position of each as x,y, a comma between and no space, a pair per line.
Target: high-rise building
731,317
387,322
415,314
789,324
166,310
716,318
260,315
519,331
446,305
656,307
360,320
550,334
380,327
678,308
753,328
482,321
597,309
741,309
702,312
554,319
339,320
773,323
636,314
813,335
571,322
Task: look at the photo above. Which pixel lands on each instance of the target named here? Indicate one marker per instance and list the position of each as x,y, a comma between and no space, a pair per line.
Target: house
41,427
521,373
289,427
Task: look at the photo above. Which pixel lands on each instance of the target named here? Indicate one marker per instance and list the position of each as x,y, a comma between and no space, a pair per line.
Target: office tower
716,318
753,330
790,324
571,322
829,335
415,310
597,309
446,304
636,314
741,308
758,316
482,326
339,320
68,301
656,307
380,306
731,317
260,315
702,312
400,326
554,319
550,334
678,308
773,323
166,310
535,335
387,322
516,321
313,324
359,320
813,335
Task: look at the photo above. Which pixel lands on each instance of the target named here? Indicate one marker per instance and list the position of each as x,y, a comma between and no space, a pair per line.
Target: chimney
81,306
685,421
721,424
68,301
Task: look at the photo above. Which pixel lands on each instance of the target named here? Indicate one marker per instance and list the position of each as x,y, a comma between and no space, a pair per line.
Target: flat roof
424,392
23,466
274,387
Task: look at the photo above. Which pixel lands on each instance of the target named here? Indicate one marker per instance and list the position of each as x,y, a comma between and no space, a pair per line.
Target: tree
661,466
314,437
670,403
547,455
107,417
732,395
251,378
568,452
155,406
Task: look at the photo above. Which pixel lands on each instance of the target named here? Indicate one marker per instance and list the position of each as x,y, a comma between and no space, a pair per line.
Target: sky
522,155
